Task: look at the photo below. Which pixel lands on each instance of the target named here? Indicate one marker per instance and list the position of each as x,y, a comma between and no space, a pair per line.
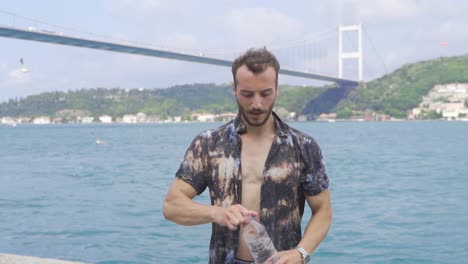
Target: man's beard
247,115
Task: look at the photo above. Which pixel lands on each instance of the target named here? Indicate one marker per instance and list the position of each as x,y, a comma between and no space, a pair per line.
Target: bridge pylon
342,55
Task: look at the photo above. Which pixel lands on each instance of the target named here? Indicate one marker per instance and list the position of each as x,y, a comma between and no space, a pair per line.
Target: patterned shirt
294,169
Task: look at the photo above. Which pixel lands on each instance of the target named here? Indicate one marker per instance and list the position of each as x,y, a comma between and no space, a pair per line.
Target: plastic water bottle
260,245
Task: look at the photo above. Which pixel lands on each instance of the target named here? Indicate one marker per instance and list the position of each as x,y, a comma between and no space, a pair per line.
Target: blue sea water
399,192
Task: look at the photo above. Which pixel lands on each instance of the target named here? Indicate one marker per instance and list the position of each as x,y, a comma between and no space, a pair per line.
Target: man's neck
266,129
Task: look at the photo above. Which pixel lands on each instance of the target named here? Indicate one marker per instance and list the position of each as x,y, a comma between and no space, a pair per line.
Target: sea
399,192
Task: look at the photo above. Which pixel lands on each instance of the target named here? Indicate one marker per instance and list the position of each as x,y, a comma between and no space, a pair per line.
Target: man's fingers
245,212
238,212
252,213
230,226
234,215
241,214
233,218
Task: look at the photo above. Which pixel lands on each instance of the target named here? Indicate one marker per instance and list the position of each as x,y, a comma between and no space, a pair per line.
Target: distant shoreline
222,122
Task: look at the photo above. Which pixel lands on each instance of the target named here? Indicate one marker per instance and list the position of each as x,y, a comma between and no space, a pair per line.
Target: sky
395,32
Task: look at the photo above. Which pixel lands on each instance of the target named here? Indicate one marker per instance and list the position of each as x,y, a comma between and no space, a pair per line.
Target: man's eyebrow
266,90
248,91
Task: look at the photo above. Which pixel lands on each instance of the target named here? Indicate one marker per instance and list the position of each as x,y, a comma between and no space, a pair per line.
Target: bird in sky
24,69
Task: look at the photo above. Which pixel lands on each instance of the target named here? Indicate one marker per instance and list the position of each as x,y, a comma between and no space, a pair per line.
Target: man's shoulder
213,133
307,145
300,136
297,137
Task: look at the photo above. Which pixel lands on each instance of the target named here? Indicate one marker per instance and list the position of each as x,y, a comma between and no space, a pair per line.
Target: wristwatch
304,254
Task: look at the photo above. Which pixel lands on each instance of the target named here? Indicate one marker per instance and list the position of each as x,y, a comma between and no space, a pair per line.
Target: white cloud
179,41
150,9
128,7
16,76
261,26
447,9
450,28
385,9
150,4
393,57
131,71
13,82
356,11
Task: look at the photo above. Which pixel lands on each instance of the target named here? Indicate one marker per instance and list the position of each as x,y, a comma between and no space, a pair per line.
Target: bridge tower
353,54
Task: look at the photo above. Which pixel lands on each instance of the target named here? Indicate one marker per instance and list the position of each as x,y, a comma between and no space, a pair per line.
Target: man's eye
265,94
247,95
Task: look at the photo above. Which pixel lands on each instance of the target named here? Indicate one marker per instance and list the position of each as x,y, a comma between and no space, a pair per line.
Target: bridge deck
58,38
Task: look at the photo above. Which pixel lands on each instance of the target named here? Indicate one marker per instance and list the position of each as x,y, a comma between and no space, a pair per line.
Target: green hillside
392,94
402,90
179,100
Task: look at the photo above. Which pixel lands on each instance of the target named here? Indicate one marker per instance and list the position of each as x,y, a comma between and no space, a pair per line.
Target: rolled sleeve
314,179
192,168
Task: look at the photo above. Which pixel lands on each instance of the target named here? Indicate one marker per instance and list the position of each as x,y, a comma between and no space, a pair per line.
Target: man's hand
292,256
232,216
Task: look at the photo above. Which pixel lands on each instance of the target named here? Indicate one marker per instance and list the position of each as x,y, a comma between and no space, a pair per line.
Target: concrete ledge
15,259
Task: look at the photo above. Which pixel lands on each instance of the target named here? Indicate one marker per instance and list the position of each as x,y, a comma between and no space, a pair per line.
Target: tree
344,113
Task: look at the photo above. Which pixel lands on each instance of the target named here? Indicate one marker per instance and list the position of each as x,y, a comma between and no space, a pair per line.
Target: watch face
305,256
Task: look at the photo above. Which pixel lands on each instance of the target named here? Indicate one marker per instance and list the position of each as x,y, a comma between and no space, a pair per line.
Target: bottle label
260,245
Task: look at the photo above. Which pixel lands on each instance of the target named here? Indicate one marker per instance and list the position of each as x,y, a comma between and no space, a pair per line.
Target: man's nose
257,102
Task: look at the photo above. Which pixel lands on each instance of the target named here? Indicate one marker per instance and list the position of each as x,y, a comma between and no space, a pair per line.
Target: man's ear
234,89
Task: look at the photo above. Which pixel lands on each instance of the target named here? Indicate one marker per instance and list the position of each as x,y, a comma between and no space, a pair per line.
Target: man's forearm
180,208
185,211
316,229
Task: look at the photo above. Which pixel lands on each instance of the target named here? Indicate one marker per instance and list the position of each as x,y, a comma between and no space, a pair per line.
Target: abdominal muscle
251,201
253,157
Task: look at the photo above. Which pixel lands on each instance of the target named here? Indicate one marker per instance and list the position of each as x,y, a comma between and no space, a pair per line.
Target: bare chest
254,154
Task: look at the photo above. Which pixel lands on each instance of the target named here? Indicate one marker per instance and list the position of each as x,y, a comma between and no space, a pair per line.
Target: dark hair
257,61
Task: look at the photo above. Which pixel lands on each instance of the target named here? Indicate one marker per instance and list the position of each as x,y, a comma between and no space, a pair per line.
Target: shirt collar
281,127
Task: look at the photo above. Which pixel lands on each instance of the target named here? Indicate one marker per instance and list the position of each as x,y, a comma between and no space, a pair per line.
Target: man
255,165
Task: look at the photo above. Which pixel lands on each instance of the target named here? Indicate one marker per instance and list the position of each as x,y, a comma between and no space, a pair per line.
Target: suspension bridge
297,57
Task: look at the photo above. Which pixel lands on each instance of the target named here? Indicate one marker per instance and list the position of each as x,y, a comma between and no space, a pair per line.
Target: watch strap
304,254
